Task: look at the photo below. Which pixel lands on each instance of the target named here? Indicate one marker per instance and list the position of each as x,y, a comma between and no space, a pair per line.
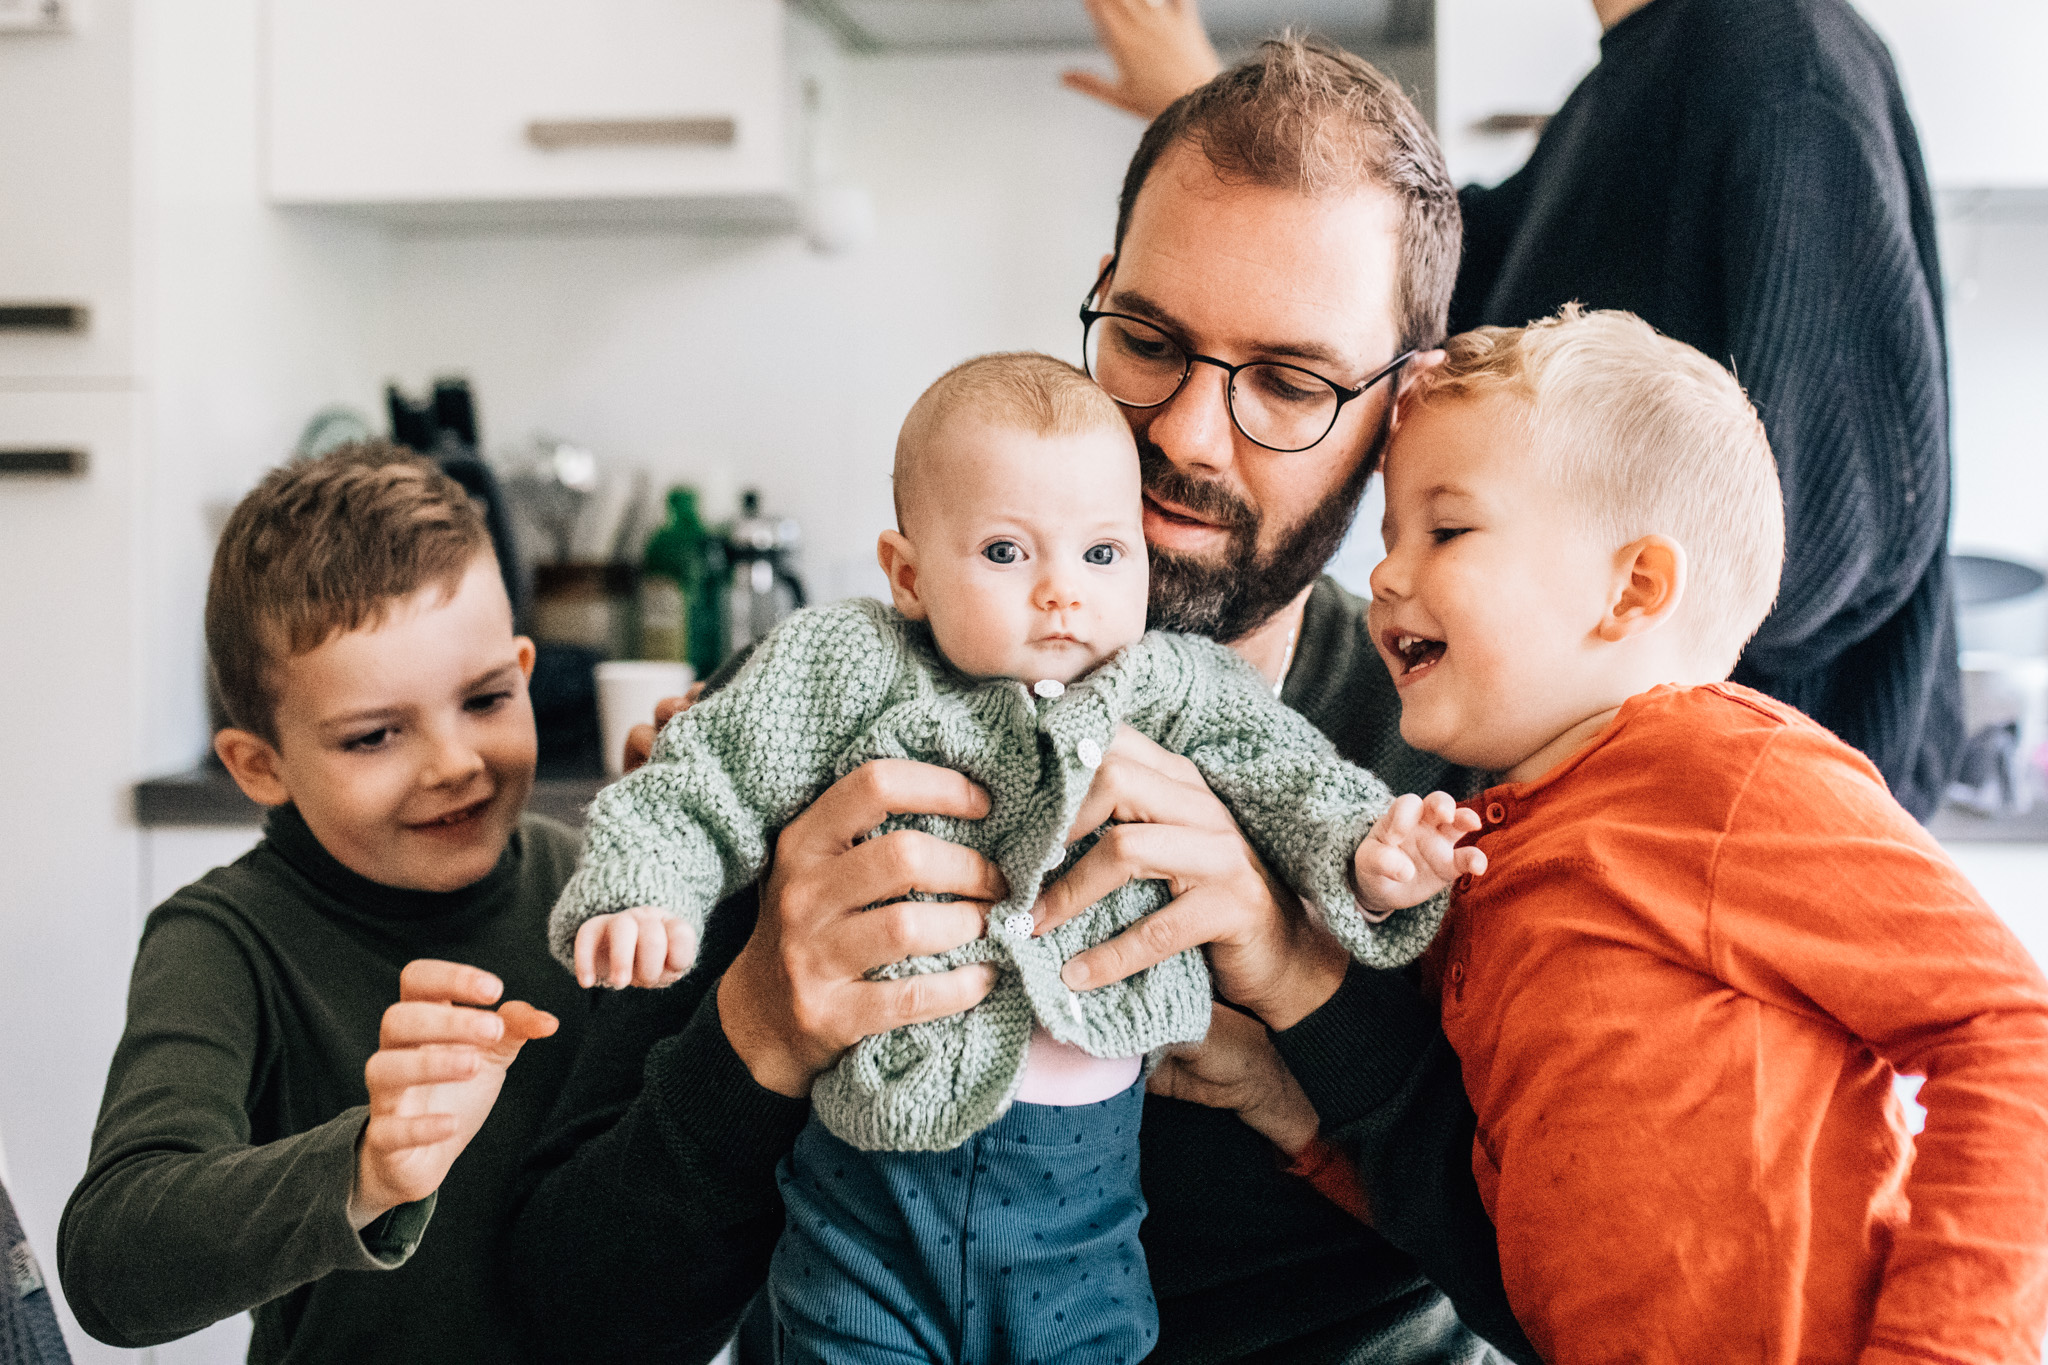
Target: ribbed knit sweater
226,1143
652,1206
1743,175
835,687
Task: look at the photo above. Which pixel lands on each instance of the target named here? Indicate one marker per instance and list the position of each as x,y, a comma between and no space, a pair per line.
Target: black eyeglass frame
1345,393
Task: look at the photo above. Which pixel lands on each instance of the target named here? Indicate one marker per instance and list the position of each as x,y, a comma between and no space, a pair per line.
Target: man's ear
1649,584
898,558
1411,376
252,761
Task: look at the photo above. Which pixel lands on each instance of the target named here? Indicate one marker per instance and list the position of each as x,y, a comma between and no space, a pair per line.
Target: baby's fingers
1469,861
682,951
590,948
1379,862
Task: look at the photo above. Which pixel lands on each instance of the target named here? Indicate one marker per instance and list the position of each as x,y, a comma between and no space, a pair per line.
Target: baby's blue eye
1101,556
1002,552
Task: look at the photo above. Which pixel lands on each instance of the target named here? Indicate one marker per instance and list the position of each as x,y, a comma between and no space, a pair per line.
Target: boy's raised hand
643,946
1411,855
439,1065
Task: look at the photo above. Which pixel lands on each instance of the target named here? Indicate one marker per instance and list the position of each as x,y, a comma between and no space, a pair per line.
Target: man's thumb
523,1022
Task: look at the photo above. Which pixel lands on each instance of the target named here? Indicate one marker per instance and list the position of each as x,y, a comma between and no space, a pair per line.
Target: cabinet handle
43,317
554,135
1501,125
46,462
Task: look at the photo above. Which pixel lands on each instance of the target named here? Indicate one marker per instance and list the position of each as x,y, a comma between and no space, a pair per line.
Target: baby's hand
1409,857
644,946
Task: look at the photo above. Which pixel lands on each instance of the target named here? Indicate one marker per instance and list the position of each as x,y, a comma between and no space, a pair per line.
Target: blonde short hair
1025,390
1650,437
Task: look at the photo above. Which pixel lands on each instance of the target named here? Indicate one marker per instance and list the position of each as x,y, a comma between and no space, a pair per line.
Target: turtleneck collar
287,832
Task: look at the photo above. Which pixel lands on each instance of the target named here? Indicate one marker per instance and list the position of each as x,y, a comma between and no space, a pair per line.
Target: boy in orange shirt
1708,938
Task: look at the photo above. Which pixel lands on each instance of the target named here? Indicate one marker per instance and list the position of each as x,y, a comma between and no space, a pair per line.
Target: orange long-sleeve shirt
1704,946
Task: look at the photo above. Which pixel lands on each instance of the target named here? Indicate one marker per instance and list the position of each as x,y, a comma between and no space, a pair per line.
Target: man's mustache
1207,499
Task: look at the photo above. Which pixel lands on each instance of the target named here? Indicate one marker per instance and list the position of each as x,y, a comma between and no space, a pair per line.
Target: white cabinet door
392,102
1500,66
1973,72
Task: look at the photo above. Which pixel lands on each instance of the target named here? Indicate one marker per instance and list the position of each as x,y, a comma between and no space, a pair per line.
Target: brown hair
1027,390
1647,436
324,546
1301,115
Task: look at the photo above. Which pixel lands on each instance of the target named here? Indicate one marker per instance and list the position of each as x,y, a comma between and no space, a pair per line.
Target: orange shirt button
1463,884
1457,972
1495,813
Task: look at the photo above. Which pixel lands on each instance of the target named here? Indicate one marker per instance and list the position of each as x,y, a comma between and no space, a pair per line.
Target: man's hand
1160,50
1266,954
1237,1067
640,739
1411,855
437,1070
643,946
798,994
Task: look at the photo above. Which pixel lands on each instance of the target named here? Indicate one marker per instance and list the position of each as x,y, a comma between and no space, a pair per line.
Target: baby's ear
898,558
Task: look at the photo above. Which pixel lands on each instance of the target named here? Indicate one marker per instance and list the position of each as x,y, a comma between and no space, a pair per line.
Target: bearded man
1286,245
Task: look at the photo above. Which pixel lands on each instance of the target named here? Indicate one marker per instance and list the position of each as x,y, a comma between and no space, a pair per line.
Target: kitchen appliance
763,586
2002,610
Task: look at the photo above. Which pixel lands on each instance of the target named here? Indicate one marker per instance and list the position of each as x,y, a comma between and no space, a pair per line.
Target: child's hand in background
1409,856
643,946
439,1065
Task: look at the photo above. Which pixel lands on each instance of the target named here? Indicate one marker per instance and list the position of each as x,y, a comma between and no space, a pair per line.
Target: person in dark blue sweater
1743,175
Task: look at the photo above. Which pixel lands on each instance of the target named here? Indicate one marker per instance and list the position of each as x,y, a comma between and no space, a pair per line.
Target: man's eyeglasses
1276,405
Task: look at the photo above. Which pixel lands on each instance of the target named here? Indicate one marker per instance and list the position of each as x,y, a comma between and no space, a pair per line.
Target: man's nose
1193,428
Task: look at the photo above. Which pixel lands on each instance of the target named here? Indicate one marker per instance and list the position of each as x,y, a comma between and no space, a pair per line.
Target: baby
967,1189
1710,939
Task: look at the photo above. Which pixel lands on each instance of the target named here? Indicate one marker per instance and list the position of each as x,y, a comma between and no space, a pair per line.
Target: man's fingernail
1075,974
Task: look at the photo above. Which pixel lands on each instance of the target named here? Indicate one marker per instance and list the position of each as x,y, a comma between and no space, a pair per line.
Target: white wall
748,360
1995,257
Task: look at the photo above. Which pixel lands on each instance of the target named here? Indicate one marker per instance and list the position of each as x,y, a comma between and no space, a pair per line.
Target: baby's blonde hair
1649,437
1027,390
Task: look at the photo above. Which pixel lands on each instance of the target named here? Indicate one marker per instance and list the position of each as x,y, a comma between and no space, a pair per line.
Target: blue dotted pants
1019,1246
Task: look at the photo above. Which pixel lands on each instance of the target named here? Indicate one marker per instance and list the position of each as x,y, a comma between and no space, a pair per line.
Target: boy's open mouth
1414,652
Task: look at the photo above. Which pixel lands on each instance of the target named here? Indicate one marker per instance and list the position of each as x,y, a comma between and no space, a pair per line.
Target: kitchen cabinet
1972,72
1502,67
517,110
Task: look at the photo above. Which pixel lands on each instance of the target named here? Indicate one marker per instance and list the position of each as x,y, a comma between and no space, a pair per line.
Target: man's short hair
1301,115
1025,390
1649,437
324,546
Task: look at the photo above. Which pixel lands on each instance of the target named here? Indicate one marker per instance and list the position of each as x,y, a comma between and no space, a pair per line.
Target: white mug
627,690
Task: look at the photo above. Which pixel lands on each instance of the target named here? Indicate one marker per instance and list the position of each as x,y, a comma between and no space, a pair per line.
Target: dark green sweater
226,1142
654,1207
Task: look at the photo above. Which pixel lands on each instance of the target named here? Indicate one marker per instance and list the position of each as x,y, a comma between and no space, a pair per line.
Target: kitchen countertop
208,796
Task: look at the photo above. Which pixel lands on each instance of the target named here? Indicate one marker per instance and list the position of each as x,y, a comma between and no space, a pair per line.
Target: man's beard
1228,598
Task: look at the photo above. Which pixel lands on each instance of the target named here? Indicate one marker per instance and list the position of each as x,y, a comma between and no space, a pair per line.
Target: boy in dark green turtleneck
310,1045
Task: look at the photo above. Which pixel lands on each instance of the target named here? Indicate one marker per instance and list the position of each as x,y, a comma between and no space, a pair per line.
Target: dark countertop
208,796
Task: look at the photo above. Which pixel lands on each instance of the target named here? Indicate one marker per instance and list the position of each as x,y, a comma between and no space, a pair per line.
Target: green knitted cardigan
834,687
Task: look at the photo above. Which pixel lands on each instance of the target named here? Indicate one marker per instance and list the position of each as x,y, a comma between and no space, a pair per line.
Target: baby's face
1028,552
1486,605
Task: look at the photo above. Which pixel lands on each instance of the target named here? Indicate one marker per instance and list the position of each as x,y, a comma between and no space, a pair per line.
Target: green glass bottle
680,590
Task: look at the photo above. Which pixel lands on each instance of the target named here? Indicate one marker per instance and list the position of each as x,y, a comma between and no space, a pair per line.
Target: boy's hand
437,1070
1409,856
643,946
1160,50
